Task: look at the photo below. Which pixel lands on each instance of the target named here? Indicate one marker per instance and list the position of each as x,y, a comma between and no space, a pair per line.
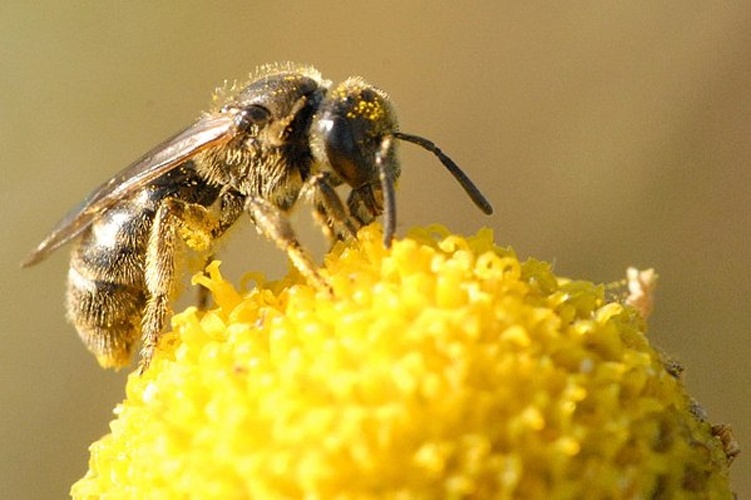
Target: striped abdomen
106,290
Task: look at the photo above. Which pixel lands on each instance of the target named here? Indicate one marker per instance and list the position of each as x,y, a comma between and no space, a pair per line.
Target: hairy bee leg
172,216
203,293
160,276
329,211
365,205
273,224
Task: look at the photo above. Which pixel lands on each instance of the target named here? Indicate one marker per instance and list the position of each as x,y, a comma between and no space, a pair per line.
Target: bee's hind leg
175,220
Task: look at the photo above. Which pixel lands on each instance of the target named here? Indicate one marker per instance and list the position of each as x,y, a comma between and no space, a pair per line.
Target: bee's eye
343,151
253,115
257,114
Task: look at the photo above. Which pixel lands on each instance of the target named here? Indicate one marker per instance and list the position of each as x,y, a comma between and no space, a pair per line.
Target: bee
285,135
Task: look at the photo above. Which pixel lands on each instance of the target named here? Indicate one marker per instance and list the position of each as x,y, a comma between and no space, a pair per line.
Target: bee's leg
365,204
273,224
328,208
174,219
202,293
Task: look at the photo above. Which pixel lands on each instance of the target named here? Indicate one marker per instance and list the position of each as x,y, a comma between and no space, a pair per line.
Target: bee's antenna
387,186
474,193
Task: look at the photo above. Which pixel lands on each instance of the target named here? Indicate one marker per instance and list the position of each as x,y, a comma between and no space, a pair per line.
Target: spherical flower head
439,368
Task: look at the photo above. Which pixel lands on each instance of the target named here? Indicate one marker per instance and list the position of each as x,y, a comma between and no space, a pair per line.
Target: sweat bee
284,135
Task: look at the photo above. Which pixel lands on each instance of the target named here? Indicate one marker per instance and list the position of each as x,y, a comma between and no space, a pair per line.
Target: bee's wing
210,130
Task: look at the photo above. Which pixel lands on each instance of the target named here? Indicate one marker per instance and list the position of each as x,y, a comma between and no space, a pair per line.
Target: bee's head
350,127
355,132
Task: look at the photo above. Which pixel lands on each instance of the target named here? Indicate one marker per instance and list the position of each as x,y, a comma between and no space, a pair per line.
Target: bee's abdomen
106,291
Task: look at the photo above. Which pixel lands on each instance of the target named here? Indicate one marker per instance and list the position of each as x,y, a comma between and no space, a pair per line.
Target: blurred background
606,134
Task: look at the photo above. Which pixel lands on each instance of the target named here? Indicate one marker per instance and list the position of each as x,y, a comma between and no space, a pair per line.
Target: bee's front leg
175,220
365,204
328,208
273,224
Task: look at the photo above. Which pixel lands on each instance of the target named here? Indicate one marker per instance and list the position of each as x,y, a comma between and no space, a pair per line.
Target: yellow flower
440,368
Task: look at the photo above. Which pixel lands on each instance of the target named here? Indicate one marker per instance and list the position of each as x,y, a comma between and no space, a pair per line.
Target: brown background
605,133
